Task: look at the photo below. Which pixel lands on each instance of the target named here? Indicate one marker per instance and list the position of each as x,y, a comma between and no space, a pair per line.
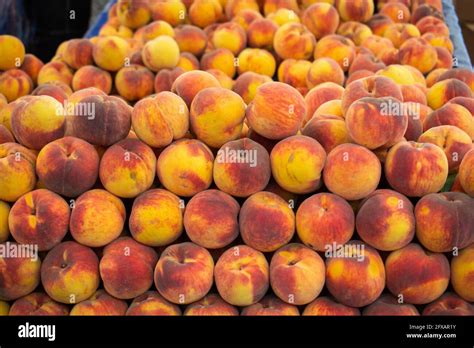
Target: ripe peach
184,273
190,83
211,305
270,305
4,229
13,52
377,44
155,29
111,52
134,82
462,268
5,135
37,304
242,275
229,35
203,13
160,53
396,11
445,60
188,62
191,39
329,130
337,47
133,13
172,12
388,305
365,61
439,41
32,66
78,53
100,304
443,91
449,304
271,6
414,94
418,53
152,303
359,11
451,114
260,33
294,72
221,59
55,89
379,23
363,165
355,31
355,275
283,16
404,277
164,79
244,16
324,70
401,32
297,274
70,273
434,75
15,83
466,173
91,76
326,306
464,75
256,60
293,40
321,19
319,95
398,73
246,85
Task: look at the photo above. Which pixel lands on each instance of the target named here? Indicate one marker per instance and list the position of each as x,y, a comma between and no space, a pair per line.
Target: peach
266,222
32,66
160,53
388,305
246,85
283,16
443,221
329,130
377,44
326,306
224,80
293,40
78,53
431,24
398,73
37,304
386,221
133,13
390,56
165,77
242,275
359,11
337,47
191,39
414,94
221,59
115,29
330,108
355,31
297,274
256,60
415,125
211,305
396,11
321,19
99,119
5,135
97,218
451,114
294,73
439,41
462,268
445,60
128,168
418,53
55,89
210,219
453,140
100,304
355,274
379,23
15,83
91,76
126,268
187,62
260,33
324,70
466,174
229,35
55,71
277,111
152,303
20,274
172,12
443,91
464,75
111,52
18,171
134,82
467,102
4,229
319,95
416,169
365,61
271,6
244,16
406,280
70,273
401,32
434,75
206,116
449,304
203,13
13,52
190,83
184,273
242,168
363,165
155,29
270,306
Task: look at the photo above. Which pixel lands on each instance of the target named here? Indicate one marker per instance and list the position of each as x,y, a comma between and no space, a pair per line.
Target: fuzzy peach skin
444,221
4,229
40,217
97,218
134,82
416,169
466,173
327,306
133,13
38,304
330,108
417,275
152,303
156,218
321,19
418,53
401,32
319,95
400,74
242,275
55,71
260,33
78,53
191,39
376,122
324,70
229,35
246,85
454,141
451,114
244,16
17,170
160,53
297,274
15,83
211,305
294,40
242,177
111,52
99,119
443,91
364,166
165,78
462,270
19,276
55,89
13,52
329,130
272,6
294,73
379,23
270,306
257,60
126,268
433,76
68,166
356,278
266,222
388,305
225,81
128,168
414,94
464,75
217,116
467,102
161,118
100,304
350,10
449,304
191,83
324,218
337,47
185,167
297,163
210,219
70,273
355,31
154,30
172,12
5,135
277,111
385,220
205,12
184,273
222,59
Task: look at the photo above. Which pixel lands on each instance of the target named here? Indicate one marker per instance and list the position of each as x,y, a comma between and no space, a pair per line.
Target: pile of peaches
253,157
